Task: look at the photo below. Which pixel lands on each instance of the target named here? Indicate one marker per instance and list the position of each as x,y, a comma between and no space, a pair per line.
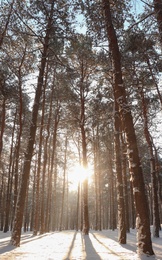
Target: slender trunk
84,155
96,195
18,143
95,178
33,198
99,177
120,194
3,119
10,177
54,171
42,220
125,183
67,205
63,187
156,218
17,225
52,177
26,220
53,201
158,167
2,201
85,186
143,224
78,207
2,124
112,188
37,207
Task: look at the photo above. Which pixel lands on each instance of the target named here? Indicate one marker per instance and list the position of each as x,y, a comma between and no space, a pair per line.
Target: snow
73,245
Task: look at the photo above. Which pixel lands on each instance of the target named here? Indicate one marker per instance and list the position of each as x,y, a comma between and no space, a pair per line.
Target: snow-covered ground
73,245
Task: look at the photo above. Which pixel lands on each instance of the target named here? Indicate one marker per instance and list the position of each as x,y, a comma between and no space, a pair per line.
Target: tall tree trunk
37,202
120,193
85,182
95,176
63,186
16,232
3,119
99,181
42,217
125,182
132,209
112,188
142,221
52,176
67,205
2,201
26,219
78,206
10,180
154,182
84,153
19,133
33,197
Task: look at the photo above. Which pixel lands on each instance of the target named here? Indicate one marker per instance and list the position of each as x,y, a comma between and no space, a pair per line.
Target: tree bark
63,186
85,164
142,221
154,181
95,180
120,193
10,179
42,217
125,183
52,177
38,174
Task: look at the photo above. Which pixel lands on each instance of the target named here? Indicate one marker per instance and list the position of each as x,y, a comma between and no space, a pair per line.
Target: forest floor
72,245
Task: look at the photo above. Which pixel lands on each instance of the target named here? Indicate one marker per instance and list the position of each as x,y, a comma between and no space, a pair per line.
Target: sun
78,175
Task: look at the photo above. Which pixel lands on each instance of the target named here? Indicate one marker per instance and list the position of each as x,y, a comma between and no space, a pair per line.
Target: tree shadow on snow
71,247
6,246
88,251
91,253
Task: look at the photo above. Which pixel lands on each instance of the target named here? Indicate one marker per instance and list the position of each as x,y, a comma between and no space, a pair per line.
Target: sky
72,245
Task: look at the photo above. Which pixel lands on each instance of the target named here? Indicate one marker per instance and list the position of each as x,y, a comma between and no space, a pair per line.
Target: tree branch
141,20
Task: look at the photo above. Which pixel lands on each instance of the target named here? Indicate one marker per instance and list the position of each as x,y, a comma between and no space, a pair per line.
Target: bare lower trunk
63,186
120,193
85,188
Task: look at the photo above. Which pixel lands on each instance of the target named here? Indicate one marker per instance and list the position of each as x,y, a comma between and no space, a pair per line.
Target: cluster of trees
91,98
